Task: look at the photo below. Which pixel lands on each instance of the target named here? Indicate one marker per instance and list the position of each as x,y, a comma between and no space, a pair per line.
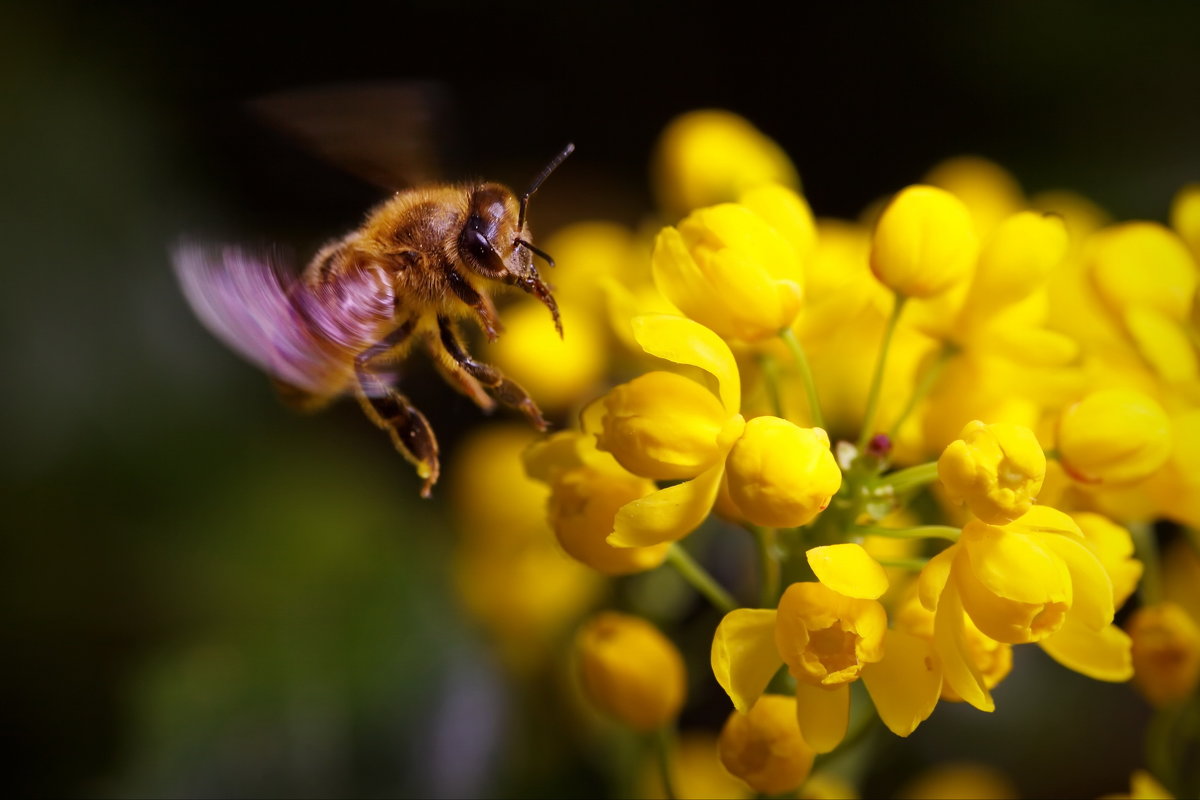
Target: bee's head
495,244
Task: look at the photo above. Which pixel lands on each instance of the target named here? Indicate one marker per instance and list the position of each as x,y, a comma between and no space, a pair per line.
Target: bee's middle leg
406,426
502,388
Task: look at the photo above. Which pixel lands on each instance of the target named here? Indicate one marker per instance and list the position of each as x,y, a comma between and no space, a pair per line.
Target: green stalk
663,744
810,386
769,562
691,571
919,532
877,378
1146,547
771,378
910,477
928,378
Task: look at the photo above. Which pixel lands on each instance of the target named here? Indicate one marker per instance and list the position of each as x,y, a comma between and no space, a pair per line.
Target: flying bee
422,260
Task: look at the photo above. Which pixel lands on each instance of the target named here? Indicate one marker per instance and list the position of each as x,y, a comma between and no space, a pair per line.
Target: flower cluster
948,428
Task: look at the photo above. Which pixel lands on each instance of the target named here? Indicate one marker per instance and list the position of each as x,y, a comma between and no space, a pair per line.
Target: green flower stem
919,532
868,424
1146,547
916,564
768,558
810,386
771,378
911,477
928,378
664,743
700,580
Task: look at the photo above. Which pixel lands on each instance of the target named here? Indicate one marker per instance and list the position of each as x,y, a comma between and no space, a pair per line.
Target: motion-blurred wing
305,336
389,133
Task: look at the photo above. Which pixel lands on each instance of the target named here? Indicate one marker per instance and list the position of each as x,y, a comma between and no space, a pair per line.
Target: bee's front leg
481,304
407,427
454,356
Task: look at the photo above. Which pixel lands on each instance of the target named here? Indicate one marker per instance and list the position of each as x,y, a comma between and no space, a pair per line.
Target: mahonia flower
764,747
828,640
1185,217
1032,580
1166,653
637,425
587,488
730,270
924,242
711,156
1113,436
996,469
630,670
1142,786
781,475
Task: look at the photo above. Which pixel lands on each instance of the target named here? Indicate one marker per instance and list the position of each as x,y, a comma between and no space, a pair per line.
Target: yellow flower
996,469
712,156
988,190
587,488
696,772
1142,786
781,475
1185,216
1142,264
1032,580
630,670
1113,436
672,513
1113,545
730,270
828,640
954,780
924,242
764,748
1166,653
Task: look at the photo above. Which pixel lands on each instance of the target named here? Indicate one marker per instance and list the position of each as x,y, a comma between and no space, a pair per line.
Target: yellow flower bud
1185,216
730,270
787,212
566,368
924,242
781,475
989,191
664,426
1016,260
630,670
996,469
1113,436
959,779
1143,264
711,156
583,504
764,747
826,638
1166,653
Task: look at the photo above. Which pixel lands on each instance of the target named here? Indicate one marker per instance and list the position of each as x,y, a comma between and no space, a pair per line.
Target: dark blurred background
204,594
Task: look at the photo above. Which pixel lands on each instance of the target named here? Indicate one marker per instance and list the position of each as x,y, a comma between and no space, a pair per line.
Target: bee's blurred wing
389,133
305,337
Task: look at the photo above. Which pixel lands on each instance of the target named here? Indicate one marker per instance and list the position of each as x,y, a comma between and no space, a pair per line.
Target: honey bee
422,260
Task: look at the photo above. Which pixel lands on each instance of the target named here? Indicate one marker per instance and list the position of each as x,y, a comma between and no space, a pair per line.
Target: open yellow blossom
924,242
1032,580
764,748
1113,436
1166,653
1142,264
587,488
1113,545
827,640
630,670
672,513
711,156
781,475
730,270
996,469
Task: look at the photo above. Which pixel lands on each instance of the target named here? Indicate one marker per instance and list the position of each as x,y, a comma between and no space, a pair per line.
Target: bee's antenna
539,253
545,173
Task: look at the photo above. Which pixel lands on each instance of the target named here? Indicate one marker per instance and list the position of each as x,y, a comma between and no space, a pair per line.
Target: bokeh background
207,595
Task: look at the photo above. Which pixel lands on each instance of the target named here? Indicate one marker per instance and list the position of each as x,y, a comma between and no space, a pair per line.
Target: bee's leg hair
393,412
482,305
506,391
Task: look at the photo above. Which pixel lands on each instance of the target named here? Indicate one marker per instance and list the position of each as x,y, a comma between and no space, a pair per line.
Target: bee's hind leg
407,427
454,357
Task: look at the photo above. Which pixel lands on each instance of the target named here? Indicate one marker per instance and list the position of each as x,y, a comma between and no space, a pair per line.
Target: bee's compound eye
480,254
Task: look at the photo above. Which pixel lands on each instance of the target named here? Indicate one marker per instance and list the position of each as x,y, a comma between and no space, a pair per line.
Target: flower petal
744,657
949,640
668,514
848,569
906,684
823,714
683,341
1091,588
932,580
1103,655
